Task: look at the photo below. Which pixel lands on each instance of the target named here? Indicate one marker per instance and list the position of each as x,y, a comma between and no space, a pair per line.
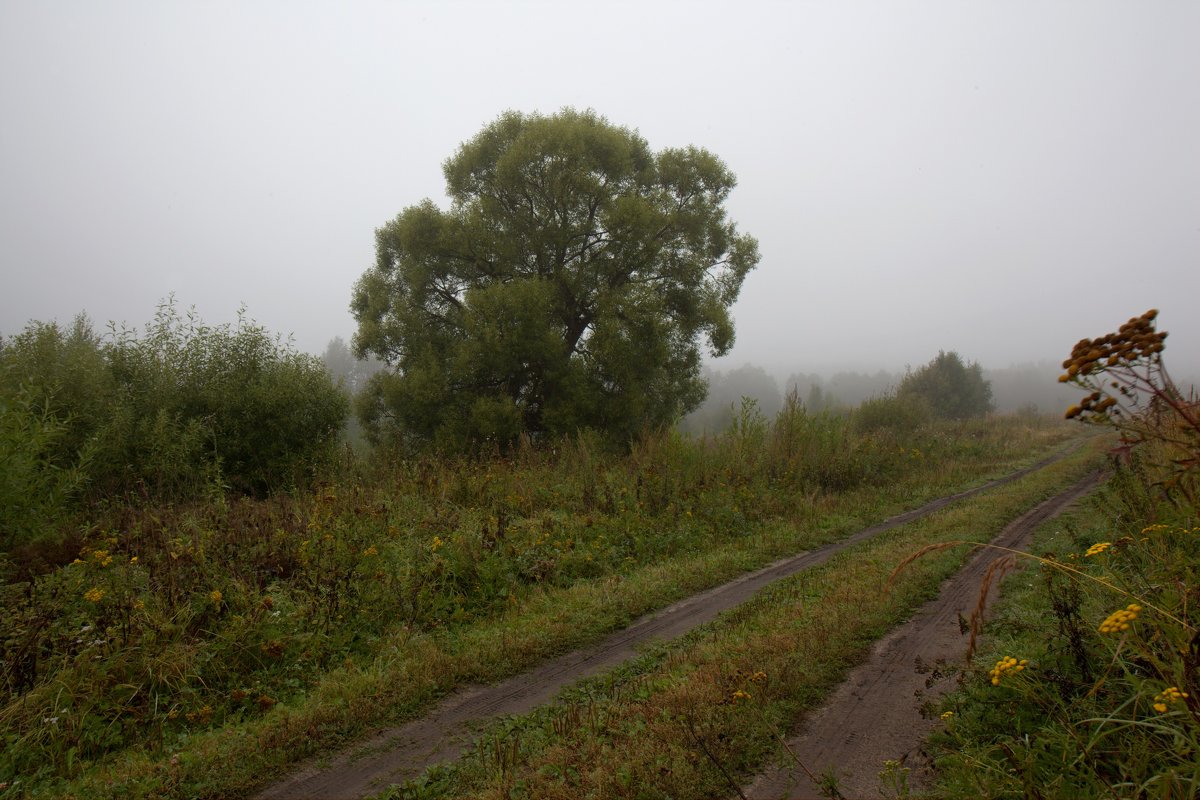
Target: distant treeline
1023,387
1029,387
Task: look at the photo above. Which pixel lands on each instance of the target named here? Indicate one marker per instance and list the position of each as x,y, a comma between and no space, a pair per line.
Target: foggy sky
999,179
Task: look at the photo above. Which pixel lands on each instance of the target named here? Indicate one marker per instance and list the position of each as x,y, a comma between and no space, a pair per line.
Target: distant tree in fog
343,366
951,388
725,393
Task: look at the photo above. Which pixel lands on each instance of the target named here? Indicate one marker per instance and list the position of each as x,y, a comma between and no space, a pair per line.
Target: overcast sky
997,178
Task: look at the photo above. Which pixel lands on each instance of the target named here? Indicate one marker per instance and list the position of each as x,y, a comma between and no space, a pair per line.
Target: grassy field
691,718
190,649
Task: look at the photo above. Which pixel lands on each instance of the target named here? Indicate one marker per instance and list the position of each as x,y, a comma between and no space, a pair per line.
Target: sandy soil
397,754
875,716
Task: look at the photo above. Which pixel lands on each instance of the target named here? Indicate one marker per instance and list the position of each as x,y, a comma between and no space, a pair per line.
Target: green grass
686,716
248,634
1087,718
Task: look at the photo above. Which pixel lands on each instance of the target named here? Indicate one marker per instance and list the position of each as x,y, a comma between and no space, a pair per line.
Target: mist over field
583,388
993,180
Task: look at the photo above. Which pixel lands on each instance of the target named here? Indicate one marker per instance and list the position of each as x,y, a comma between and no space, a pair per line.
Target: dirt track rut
874,716
401,753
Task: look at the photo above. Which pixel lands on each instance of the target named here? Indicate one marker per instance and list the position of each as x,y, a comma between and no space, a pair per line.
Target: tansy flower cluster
1098,548
1006,665
1119,620
1167,697
740,695
1134,340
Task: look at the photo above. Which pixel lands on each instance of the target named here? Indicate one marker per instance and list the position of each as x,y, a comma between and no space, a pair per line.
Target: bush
175,410
952,389
896,413
33,487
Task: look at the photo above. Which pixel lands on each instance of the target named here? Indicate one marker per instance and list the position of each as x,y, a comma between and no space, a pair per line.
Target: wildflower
1168,697
947,715
1098,548
133,560
740,695
138,605
370,551
759,676
1004,666
1119,620
102,557
436,543
216,597
202,715
94,595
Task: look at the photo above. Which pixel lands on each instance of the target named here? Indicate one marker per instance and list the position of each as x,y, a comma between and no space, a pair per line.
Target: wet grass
191,650
691,718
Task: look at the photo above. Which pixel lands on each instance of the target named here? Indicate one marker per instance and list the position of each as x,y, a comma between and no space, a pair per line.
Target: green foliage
313,581
566,287
952,389
1093,713
34,485
901,413
172,411
1108,703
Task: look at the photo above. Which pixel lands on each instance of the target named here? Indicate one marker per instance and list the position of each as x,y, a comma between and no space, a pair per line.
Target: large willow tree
570,285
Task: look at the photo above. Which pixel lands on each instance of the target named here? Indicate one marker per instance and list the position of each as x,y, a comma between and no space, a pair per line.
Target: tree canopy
569,285
951,388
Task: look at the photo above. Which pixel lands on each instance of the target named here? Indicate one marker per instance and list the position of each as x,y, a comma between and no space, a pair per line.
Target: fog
998,179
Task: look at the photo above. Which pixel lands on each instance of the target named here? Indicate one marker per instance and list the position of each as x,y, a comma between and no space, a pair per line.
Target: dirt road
874,716
398,754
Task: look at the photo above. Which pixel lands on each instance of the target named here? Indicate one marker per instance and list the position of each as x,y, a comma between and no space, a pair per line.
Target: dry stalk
995,571
924,551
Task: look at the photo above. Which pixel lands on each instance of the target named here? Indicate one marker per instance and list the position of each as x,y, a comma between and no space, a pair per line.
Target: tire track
874,715
398,754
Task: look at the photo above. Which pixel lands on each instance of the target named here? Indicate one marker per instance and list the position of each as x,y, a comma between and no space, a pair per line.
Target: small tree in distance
568,286
951,388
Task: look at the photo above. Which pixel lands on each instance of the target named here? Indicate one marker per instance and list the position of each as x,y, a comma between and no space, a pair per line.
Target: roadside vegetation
1089,684
159,630
692,718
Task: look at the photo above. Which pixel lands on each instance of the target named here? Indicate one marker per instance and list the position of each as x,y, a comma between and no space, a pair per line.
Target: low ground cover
690,719
1103,629
248,633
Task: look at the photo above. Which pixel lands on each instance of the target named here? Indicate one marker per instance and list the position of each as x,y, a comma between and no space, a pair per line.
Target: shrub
952,389
178,408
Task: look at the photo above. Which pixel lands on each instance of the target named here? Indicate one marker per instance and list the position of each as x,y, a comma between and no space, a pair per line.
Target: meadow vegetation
179,603
692,718
1089,684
